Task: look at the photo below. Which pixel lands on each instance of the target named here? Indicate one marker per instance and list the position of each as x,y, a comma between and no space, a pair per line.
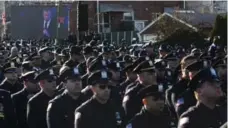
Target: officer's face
32,86
149,50
115,75
102,91
47,15
36,61
211,90
50,85
12,76
147,77
74,86
155,103
132,76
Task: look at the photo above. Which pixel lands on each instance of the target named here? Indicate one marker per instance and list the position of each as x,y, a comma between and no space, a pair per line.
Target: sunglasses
105,86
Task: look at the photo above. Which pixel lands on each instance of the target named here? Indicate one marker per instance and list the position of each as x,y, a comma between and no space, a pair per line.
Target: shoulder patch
129,126
183,121
180,101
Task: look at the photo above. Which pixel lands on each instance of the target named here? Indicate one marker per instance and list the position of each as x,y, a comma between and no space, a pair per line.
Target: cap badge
103,63
76,71
117,64
147,58
51,72
151,63
205,64
213,72
12,64
160,88
104,74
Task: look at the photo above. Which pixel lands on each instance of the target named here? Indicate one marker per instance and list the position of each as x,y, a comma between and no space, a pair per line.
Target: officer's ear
41,83
144,101
92,88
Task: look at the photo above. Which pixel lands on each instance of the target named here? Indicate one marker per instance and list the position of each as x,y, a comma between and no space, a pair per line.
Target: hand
45,32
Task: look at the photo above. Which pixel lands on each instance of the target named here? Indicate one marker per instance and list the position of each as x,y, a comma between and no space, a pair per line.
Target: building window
127,16
106,20
139,25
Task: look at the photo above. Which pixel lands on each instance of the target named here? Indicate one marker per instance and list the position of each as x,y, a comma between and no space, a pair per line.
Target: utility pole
98,17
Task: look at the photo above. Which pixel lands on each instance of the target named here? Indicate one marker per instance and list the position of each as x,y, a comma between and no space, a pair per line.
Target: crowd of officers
98,85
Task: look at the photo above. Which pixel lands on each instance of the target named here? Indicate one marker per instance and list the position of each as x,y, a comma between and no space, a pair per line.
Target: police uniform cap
98,64
57,51
44,49
170,57
27,65
33,56
205,56
127,59
75,50
153,90
129,68
46,75
195,52
163,47
114,66
145,66
208,74
71,73
160,64
198,65
87,50
106,50
148,45
100,77
9,67
28,76
142,53
63,53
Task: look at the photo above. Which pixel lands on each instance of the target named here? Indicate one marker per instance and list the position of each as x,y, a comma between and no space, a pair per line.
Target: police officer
45,54
163,51
186,99
60,112
146,76
151,114
37,105
75,57
221,68
35,61
10,83
205,114
7,115
99,111
130,78
181,85
20,99
26,67
57,59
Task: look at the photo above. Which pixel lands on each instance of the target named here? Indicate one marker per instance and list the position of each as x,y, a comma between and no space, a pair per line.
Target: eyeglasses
104,86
